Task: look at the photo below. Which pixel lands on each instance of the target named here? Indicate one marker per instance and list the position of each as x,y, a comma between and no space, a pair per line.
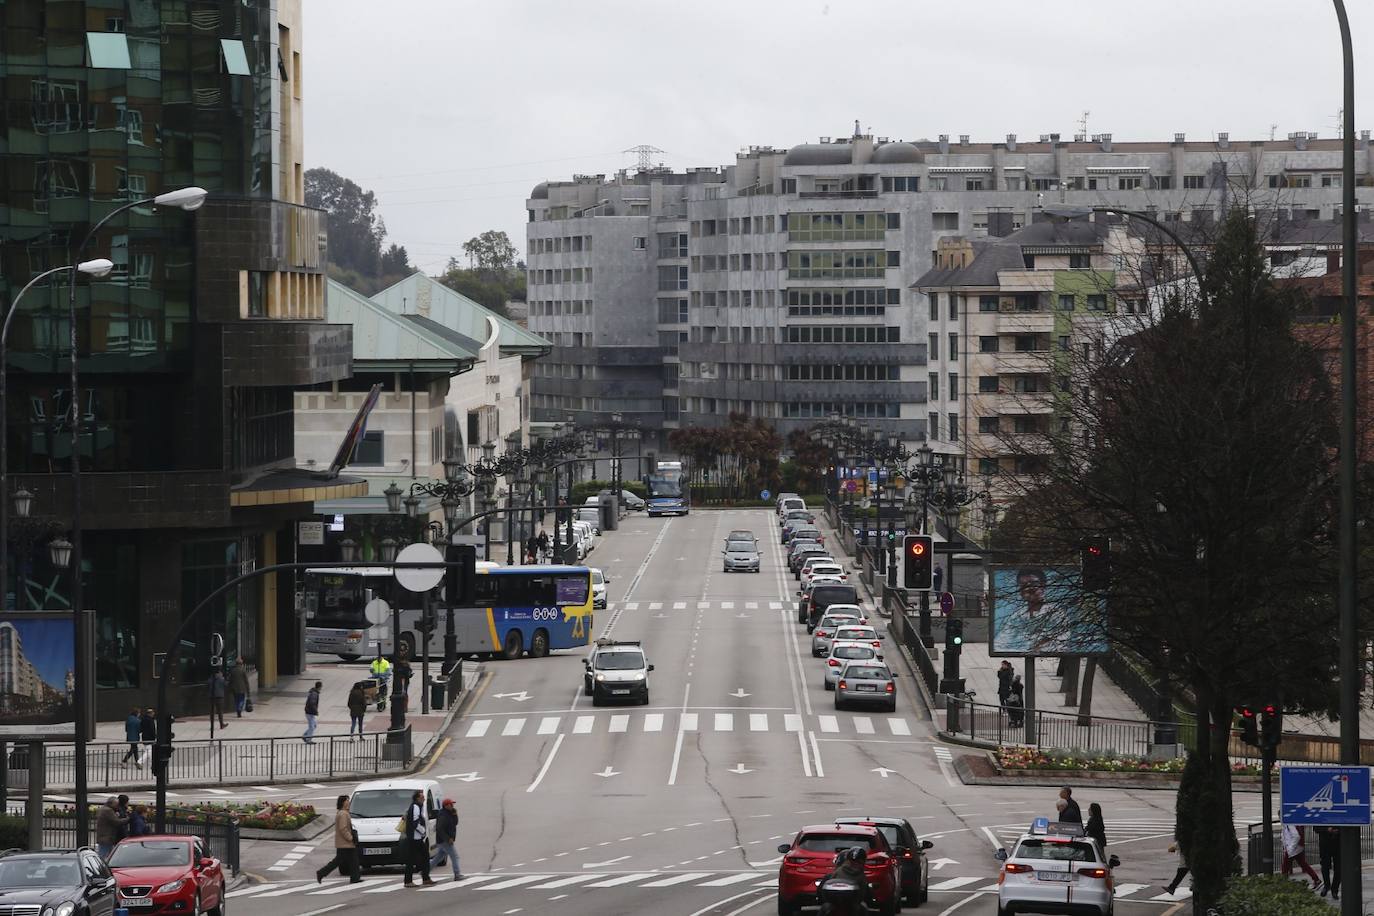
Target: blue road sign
1330,795
765,494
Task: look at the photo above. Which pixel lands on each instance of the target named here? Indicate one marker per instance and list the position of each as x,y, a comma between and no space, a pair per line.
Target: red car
167,874
811,856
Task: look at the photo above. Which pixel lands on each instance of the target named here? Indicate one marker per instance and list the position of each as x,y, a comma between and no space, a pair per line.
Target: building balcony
868,194
1025,322
1025,362
1011,403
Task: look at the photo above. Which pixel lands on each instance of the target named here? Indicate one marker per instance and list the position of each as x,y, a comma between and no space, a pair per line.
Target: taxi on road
1055,868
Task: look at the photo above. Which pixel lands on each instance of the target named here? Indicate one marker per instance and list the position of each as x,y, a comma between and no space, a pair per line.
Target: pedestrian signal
918,562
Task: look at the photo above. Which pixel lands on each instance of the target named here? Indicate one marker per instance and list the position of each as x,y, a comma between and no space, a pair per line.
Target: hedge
1271,895
14,832
581,491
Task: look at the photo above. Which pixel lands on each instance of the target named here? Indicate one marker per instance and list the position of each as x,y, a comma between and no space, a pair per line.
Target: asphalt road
678,807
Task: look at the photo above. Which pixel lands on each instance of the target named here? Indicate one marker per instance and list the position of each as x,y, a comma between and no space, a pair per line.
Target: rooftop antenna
645,152
1273,131
1083,123
1340,123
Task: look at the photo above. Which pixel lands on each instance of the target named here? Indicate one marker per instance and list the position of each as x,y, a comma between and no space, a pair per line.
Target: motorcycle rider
850,867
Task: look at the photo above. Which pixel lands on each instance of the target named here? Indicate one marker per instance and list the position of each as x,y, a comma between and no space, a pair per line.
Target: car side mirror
927,844
783,847
586,663
1113,862
651,667
1000,855
206,862
894,674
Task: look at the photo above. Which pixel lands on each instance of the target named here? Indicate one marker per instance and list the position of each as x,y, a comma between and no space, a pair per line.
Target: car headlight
601,677
64,909
637,676
171,887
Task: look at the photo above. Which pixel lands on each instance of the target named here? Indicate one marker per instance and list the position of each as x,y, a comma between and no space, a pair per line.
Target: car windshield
833,842
825,569
1056,851
859,652
889,831
856,633
741,535
47,871
867,673
740,547
798,546
835,594
834,620
150,852
597,577
619,661
380,802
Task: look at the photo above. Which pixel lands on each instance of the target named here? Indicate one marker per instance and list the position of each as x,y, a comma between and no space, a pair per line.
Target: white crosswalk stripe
725,722
863,725
513,727
620,723
751,605
792,722
829,724
548,725
499,881
653,722
898,727
655,605
679,605
727,605
758,722
583,725
478,728
688,722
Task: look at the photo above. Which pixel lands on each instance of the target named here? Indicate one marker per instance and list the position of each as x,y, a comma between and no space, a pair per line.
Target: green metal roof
383,340
425,297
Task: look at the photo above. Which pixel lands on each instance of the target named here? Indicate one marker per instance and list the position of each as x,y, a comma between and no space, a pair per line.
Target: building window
369,451
257,294
107,51
939,183
234,57
1298,181
1064,343
1097,303
933,424
894,259
987,303
987,384
1014,183
1164,182
987,344
954,346
1080,261
935,306
988,466
1194,182
789,186
953,307
941,221
933,388
1128,183
641,243
987,425
973,183
954,427
934,348
894,221
953,386
1066,302
1064,383
1331,181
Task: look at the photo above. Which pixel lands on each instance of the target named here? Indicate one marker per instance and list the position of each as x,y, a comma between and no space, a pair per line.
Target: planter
307,832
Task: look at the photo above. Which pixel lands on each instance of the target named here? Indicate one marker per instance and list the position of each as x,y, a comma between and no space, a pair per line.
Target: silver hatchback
825,632
841,654
869,683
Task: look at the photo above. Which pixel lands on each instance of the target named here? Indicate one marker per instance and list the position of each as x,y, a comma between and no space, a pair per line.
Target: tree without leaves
1205,453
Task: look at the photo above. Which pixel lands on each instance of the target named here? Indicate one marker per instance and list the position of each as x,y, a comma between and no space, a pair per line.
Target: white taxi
1055,869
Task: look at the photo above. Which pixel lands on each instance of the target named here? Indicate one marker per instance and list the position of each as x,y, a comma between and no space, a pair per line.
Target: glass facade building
189,349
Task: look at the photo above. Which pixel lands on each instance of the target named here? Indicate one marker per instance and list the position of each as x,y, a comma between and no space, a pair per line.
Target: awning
277,488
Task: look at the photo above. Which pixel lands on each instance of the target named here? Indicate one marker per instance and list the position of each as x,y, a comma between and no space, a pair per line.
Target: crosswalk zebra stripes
549,881
735,605
622,723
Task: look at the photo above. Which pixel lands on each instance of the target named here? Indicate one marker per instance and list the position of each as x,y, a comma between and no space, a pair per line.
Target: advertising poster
37,683
1041,610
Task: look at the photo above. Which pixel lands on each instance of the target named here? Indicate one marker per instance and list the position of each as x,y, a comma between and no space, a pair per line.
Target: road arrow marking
520,697
607,773
604,864
660,616
465,777
741,615
740,694
884,772
938,864
740,768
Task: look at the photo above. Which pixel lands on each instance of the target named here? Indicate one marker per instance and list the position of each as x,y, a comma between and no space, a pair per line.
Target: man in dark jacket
147,732
1004,676
109,827
238,686
1070,813
218,687
312,712
132,728
445,835
1329,849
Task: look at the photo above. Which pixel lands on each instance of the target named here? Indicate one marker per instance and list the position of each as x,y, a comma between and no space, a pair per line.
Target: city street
679,807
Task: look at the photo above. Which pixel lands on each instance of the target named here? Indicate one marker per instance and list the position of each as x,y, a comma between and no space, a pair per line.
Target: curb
319,825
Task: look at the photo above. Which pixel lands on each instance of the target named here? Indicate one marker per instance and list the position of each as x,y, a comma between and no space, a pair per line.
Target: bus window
570,590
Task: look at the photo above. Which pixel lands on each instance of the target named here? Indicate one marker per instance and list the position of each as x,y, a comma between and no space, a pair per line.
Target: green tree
355,229
490,293
395,261
491,254
1204,450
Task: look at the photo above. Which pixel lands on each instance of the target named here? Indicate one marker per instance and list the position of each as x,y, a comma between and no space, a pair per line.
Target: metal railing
226,760
1254,847
904,629
975,721
1132,681
219,831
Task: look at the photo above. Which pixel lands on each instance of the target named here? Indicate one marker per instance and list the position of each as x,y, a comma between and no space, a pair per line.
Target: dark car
909,850
799,557
74,882
822,596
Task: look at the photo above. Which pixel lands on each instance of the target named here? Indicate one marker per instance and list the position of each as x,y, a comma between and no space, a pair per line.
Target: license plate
871,688
1054,876
619,692
136,901
377,851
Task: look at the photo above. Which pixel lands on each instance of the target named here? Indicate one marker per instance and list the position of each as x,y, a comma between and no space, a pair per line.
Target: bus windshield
661,487
338,600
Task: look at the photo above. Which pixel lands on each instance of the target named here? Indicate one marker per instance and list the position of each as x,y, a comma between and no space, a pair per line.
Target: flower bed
1030,760
263,816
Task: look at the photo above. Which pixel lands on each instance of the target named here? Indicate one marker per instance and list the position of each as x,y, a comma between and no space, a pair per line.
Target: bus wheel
348,657
513,646
539,644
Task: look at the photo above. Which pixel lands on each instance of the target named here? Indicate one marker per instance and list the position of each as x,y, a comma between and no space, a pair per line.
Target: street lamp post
187,199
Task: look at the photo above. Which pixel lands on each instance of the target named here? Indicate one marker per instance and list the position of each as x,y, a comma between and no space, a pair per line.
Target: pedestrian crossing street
549,881
674,722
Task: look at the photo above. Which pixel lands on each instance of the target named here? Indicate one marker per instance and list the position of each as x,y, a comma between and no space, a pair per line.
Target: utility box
610,512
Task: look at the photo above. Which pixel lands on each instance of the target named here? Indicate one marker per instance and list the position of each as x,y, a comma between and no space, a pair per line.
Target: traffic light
891,538
954,634
1096,564
1249,727
1271,726
460,582
918,552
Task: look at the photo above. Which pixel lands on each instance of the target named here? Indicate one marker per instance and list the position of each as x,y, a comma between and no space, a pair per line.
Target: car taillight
890,688
906,854
796,860
877,645
843,686
1016,868
822,632
833,663
1093,872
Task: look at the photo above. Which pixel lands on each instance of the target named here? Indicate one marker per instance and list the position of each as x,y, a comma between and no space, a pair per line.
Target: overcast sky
452,110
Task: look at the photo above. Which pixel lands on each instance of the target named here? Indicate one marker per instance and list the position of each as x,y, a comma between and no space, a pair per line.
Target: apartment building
782,286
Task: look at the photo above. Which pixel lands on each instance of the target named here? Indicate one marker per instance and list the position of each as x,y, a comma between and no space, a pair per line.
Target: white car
825,631
375,808
584,533
1055,869
844,652
852,610
851,632
814,567
599,580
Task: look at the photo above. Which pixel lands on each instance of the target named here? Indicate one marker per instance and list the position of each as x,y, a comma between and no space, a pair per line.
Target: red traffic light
1095,550
1247,712
918,548
1270,710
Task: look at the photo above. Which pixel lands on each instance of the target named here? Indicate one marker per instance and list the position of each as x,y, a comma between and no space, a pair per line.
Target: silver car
841,654
870,683
825,632
1055,869
741,556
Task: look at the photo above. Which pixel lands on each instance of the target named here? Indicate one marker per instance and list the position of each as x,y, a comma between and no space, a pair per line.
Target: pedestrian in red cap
445,835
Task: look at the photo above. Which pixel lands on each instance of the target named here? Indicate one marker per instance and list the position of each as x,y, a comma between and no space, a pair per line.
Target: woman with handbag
345,846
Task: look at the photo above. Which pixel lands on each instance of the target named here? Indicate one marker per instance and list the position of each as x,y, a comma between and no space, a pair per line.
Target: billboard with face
1038,610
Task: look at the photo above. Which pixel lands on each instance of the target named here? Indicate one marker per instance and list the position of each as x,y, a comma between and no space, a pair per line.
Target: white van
376,807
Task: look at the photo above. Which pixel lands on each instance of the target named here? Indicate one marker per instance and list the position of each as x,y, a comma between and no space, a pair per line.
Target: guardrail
226,760
219,831
902,627
982,722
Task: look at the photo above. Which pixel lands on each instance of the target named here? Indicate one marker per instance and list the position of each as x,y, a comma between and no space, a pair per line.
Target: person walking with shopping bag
133,727
1295,853
416,830
238,686
147,733
345,845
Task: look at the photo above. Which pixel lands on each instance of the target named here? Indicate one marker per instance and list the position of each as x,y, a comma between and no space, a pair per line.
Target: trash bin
437,687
